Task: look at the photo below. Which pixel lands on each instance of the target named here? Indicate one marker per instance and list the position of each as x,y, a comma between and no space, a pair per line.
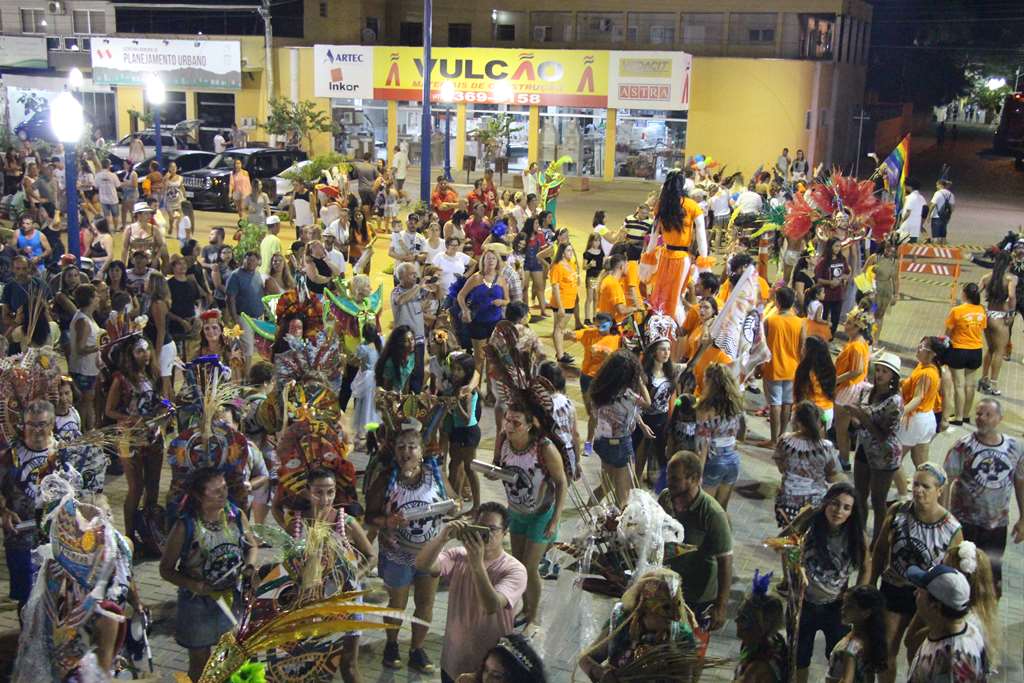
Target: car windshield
225,160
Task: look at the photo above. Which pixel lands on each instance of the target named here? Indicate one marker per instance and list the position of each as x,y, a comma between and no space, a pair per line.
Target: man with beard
708,568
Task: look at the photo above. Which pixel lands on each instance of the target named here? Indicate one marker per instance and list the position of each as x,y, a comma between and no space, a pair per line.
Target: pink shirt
240,183
469,632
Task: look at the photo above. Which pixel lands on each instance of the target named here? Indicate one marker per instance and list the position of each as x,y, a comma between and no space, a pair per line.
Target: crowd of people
231,386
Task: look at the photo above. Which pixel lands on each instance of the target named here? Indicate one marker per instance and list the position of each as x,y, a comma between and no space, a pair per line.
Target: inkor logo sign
646,68
660,93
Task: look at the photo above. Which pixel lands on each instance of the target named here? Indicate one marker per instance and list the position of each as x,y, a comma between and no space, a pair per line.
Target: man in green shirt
270,244
706,570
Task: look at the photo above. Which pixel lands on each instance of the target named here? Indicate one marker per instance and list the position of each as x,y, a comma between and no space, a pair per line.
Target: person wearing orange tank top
920,394
851,377
677,216
815,379
965,326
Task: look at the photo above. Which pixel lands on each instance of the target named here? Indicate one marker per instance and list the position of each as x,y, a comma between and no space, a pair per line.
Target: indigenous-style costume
550,182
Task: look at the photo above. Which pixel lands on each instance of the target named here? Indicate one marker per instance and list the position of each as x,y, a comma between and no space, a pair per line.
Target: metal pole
425,124
159,138
448,144
71,196
268,41
861,118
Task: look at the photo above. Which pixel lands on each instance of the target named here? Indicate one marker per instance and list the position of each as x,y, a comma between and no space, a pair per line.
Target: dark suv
208,187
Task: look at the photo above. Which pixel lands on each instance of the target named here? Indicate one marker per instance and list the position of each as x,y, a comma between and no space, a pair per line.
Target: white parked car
281,186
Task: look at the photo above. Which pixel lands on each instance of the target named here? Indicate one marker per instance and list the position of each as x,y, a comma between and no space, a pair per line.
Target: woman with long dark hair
616,394
676,220
834,546
965,326
565,283
660,376
512,660
157,330
920,397
395,366
864,651
833,273
1000,287
535,242
879,452
807,461
815,378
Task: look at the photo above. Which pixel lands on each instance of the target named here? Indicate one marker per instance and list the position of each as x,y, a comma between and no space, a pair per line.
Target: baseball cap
272,220
889,360
945,584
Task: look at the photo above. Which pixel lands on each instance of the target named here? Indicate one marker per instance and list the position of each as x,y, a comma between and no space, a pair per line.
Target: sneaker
566,359
588,322
419,661
392,659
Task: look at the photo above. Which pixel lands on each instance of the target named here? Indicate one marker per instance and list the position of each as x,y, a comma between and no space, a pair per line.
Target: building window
33,21
703,29
323,9
816,35
371,32
656,28
460,35
505,32
551,27
89,21
173,109
753,28
410,33
649,144
215,109
600,27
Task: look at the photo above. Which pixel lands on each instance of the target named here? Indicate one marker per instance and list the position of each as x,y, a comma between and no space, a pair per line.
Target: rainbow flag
894,172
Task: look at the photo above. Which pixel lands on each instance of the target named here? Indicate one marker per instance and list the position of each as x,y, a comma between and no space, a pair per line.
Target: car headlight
207,184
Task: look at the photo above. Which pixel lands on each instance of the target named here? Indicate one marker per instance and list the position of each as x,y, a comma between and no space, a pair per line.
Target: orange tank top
931,395
846,361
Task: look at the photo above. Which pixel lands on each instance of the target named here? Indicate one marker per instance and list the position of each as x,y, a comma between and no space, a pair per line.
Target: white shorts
920,429
168,354
790,257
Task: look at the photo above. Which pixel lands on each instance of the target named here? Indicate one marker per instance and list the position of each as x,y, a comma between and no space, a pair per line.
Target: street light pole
425,121
68,123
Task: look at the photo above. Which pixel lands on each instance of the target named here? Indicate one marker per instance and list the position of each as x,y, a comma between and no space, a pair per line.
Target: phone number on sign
492,98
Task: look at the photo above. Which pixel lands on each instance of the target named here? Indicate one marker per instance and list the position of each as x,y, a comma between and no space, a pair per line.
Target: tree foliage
494,131
332,162
298,121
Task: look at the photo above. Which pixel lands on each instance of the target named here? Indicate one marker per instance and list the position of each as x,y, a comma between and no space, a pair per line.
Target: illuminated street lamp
67,120
447,96
156,95
75,79
995,83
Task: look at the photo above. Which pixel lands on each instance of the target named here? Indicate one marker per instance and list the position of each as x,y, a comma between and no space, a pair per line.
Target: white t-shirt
433,251
184,225
749,202
339,231
106,184
451,267
720,203
219,143
940,198
336,258
401,165
913,204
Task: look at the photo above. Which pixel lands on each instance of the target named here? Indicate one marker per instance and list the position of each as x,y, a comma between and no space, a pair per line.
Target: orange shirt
764,289
631,279
782,335
818,396
967,322
565,277
683,236
610,294
931,396
692,320
846,361
712,354
596,348
693,341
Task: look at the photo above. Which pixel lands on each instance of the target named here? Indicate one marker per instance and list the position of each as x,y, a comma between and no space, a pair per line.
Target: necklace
207,530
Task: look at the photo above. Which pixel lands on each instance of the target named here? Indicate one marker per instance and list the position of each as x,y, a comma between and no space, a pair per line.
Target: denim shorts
722,467
395,574
780,393
614,452
200,622
532,526
84,382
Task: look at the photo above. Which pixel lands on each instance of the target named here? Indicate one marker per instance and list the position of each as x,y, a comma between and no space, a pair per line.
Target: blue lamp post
68,123
156,95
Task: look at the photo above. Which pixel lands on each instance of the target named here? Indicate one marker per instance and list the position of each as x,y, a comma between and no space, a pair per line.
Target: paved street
989,202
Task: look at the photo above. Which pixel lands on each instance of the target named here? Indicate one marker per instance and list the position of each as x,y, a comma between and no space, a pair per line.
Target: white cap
945,584
273,220
141,207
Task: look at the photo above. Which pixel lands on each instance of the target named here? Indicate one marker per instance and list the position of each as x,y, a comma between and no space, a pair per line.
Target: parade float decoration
839,206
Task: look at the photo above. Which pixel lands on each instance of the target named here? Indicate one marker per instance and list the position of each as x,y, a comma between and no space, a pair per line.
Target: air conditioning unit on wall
55,7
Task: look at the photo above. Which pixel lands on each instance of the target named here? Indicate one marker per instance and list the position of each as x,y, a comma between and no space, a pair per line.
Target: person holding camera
485,587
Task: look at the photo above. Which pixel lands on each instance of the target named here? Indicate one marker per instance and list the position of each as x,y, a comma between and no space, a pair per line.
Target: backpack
945,212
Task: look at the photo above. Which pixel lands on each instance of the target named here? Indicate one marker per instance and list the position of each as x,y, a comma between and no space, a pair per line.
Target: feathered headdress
311,444
512,371
842,207
29,376
304,305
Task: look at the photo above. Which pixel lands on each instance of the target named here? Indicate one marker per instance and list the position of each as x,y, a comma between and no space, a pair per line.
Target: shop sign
343,71
649,80
179,63
571,78
23,52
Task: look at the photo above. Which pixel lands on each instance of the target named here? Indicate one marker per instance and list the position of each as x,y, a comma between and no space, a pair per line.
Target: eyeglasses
38,424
